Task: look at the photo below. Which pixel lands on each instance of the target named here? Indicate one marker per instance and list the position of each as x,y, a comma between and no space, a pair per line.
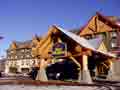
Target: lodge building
75,62
69,56
108,28
19,56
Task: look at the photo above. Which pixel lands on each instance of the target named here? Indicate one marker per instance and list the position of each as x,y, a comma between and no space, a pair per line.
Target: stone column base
42,75
86,78
113,77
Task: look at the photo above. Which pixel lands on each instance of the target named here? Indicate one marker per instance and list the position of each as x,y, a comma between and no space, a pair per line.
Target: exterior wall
2,65
116,70
96,28
19,58
19,64
111,40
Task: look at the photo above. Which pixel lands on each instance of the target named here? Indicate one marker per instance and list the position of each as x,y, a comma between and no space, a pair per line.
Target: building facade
74,60
108,28
19,56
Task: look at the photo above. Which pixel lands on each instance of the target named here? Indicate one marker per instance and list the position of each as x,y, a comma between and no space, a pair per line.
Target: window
27,50
88,37
22,57
22,50
27,62
11,57
113,34
22,62
113,43
15,57
27,56
12,52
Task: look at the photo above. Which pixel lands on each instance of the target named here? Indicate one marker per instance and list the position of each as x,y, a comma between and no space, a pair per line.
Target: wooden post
78,64
75,61
85,62
86,78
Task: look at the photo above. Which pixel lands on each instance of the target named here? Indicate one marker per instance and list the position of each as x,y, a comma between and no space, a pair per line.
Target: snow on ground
27,87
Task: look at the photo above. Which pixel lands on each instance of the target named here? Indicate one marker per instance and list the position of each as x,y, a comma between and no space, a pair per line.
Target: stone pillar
86,78
114,71
111,71
42,76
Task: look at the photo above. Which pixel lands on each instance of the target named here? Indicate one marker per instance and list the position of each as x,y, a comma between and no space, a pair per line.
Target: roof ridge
113,24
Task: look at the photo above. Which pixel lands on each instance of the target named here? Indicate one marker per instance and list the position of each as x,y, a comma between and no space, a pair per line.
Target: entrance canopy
83,42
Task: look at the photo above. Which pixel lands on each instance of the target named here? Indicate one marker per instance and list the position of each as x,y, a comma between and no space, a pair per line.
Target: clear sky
21,19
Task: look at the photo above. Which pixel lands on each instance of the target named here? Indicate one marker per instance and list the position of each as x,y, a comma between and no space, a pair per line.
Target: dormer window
88,37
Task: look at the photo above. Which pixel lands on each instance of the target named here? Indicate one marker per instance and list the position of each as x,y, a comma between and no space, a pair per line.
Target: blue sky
21,19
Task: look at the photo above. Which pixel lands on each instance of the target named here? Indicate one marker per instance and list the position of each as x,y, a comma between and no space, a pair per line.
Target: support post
86,78
112,75
42,72
78,64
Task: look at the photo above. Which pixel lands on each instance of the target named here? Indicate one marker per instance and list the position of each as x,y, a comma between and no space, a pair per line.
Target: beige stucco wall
116,68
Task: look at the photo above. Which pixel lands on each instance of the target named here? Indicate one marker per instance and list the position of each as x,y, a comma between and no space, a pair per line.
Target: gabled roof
84,26
70,38
20,45
110,22
25,44
80,40
107,20
44,45
83,42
